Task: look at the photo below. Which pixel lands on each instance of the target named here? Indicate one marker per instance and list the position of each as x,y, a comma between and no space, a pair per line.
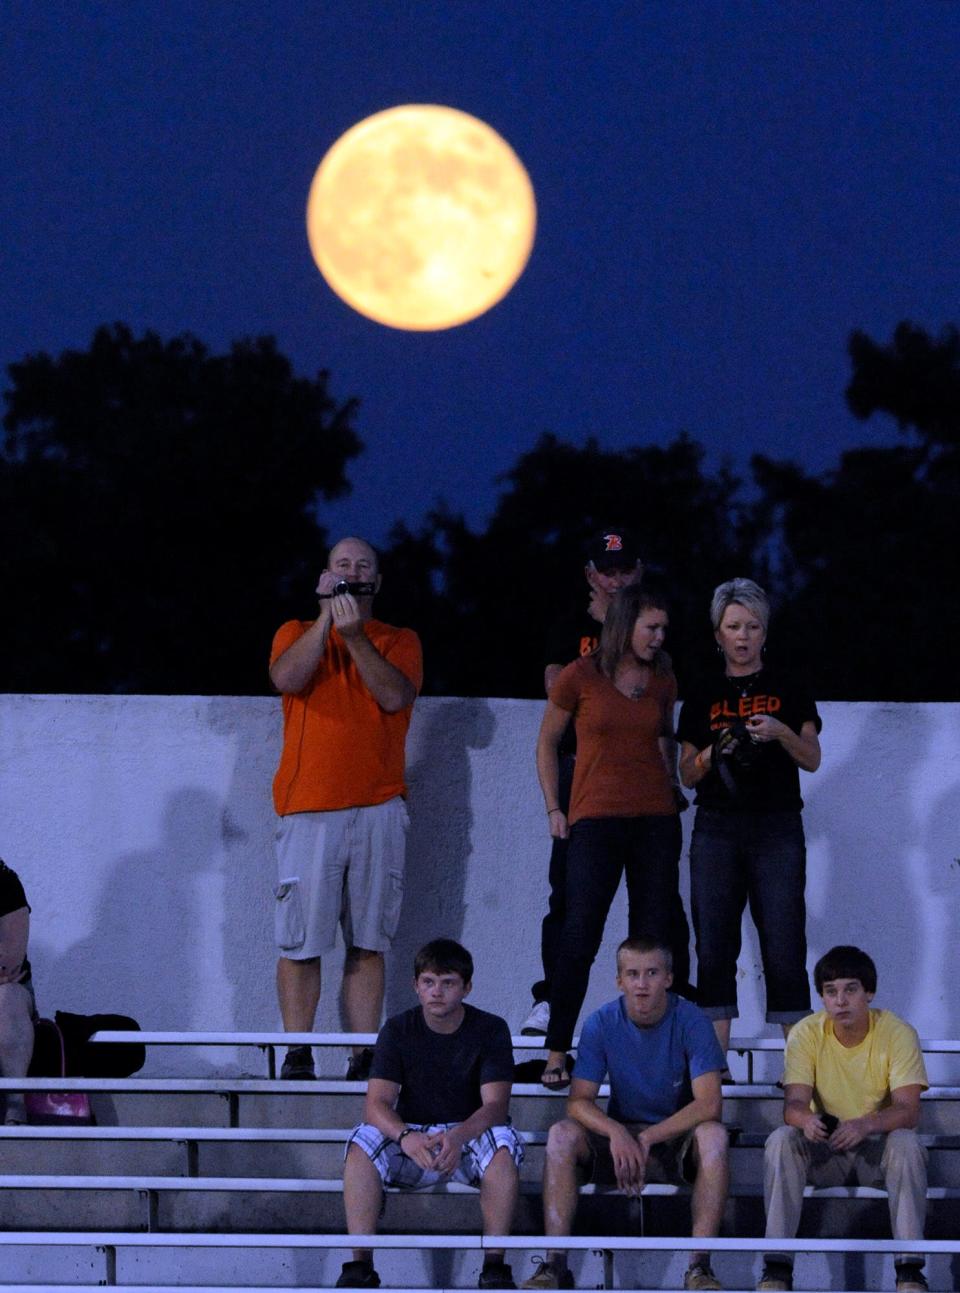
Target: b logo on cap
614,542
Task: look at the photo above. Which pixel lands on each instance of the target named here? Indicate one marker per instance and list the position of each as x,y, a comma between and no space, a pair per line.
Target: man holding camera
348,683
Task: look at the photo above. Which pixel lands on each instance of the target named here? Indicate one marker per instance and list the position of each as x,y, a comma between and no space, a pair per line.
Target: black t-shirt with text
771,783
440,1074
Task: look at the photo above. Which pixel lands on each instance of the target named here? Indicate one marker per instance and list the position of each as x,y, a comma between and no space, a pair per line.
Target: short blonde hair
745,593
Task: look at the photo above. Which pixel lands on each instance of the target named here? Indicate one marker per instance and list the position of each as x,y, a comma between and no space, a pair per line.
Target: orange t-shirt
340,749
620,771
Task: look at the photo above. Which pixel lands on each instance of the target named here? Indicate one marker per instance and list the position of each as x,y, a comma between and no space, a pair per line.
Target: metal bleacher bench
108,1243
192,1138
150,1186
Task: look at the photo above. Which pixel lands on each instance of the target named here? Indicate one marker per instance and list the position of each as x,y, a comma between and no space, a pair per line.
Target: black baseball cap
613,549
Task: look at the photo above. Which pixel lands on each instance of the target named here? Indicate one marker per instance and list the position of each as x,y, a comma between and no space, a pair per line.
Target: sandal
555,1079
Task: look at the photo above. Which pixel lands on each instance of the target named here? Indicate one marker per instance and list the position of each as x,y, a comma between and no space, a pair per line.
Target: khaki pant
896,1162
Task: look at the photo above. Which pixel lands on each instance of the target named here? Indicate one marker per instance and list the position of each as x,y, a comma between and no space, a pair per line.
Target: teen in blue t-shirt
663,1061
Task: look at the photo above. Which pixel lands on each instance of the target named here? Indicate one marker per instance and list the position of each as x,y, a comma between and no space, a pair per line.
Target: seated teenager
436,1110
663,1062
851,1104
17,1008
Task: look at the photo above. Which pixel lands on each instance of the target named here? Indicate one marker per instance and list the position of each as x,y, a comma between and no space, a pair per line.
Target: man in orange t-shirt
348,683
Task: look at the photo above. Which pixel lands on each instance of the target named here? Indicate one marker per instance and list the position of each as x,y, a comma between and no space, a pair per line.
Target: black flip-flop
562,1078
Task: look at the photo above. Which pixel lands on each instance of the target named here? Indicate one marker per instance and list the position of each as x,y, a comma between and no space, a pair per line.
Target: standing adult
744,734
623,813
348,683
612,563
17,1009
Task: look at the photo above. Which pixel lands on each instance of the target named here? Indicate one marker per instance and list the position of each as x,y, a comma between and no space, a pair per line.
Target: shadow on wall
439,844
248,827
149,922
941,874
846,818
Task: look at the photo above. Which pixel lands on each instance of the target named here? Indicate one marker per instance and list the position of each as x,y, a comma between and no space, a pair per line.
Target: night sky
724,191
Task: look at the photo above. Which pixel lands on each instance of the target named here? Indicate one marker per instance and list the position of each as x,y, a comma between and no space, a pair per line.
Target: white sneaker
537,1021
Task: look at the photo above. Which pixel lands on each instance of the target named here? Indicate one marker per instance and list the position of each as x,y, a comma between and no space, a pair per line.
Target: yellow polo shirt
850,1081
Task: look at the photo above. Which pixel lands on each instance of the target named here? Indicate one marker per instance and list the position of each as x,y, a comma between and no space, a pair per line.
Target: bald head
354,560
355,552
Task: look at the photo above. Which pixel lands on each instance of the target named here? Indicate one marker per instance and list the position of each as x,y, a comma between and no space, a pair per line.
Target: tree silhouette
496,594
157,503
871,550
159,518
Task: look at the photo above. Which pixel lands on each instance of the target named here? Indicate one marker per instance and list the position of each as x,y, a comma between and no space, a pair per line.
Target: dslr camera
736,744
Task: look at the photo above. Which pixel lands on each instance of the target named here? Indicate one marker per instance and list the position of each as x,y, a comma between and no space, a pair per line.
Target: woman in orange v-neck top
623,812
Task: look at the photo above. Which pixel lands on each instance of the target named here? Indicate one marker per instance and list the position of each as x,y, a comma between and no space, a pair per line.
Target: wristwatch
406,1132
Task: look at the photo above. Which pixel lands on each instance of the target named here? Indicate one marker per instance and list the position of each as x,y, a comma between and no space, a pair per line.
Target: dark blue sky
725,190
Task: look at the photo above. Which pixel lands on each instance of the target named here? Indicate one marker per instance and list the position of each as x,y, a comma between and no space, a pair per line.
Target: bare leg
498,1197
362,1198
567,1150
16,1043
298,990
362,991
710,1186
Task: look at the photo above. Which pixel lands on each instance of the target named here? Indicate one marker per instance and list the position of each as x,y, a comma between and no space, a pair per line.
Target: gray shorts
670,1162
343,867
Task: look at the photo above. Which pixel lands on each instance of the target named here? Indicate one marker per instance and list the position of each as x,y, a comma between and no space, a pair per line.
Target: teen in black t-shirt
436,1110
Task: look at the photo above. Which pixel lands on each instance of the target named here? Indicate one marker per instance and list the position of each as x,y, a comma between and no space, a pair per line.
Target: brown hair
626,607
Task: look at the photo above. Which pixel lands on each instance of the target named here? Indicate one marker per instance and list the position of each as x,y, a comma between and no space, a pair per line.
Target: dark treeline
161,512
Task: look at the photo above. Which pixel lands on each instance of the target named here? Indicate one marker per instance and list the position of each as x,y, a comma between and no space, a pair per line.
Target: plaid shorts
396,1169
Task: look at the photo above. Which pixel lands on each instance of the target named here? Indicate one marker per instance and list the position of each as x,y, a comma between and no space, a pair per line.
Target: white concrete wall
142,828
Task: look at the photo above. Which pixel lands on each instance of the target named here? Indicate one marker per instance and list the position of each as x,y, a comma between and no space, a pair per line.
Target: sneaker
547,1276
358,1066
777,1277
538,1020
700,1276
358,1275
910,1278
15,1114
496,1275
298,1065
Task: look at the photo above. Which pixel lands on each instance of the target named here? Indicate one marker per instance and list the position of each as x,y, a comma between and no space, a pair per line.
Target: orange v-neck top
620,770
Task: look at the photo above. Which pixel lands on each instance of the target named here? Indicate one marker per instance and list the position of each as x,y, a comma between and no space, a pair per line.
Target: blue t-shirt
650,1069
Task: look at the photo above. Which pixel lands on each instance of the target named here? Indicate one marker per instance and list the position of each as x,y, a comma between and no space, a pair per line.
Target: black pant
551,930
600,850
760,858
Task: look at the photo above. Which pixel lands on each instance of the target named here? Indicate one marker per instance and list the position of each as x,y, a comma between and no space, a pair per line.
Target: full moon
421,217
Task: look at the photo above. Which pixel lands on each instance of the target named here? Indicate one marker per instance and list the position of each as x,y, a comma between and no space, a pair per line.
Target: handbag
45,1108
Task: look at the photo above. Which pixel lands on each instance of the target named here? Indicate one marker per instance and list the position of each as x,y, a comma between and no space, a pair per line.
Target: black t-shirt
440,1074
772,781
570,637
12,898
